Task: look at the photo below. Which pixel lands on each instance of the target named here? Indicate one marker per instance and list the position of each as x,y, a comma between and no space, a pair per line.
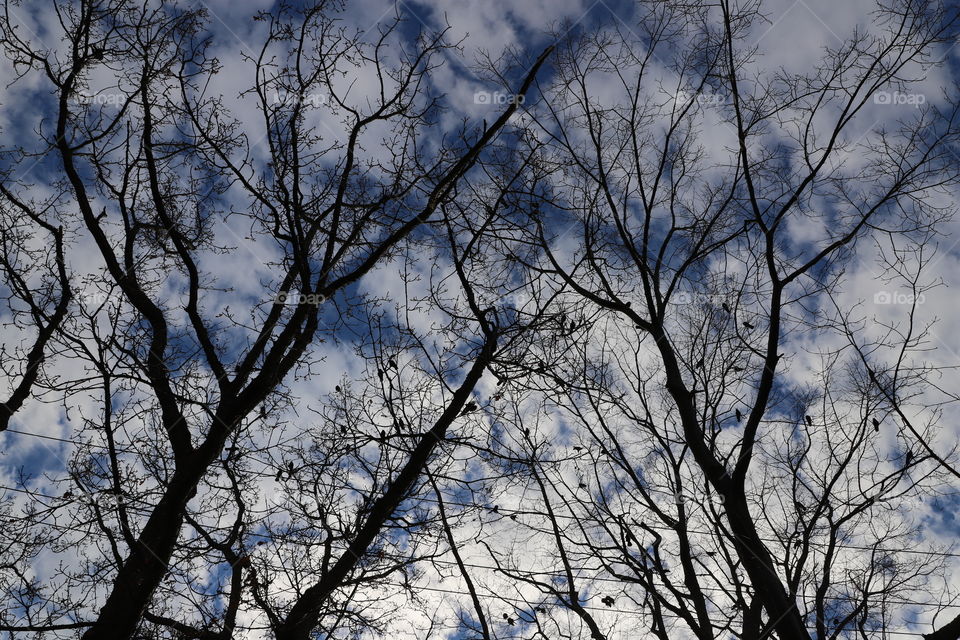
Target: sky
791,37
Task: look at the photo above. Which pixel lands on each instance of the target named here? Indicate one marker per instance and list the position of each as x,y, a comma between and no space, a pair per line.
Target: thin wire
501,598
507,512
451,563
938,554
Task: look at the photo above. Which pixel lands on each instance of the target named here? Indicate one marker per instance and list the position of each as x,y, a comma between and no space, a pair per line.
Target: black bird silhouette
700,363
748,325
380,374
392,363
383,434
876,425
338,389
467,408
526,432
726,307
607,600
578,448
909,457
541,610
809,420
739,415
279,475
96,53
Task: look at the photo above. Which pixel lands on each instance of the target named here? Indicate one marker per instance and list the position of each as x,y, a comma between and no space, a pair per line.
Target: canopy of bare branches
357,319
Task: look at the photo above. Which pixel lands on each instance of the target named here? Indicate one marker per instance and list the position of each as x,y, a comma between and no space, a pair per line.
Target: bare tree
591,369
720,492
36,288
150,172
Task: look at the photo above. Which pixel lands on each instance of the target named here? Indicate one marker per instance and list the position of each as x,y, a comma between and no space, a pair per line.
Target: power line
451,563
498,597
508,512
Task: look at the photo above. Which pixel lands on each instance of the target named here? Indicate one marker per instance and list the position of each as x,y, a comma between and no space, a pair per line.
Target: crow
392,363
726,307
909,458
607,600
526,432
876,425
338,389
809,420
739,415
469,407
700,363
748,325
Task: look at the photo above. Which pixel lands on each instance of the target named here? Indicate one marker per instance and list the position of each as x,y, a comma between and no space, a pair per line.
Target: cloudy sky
789,38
